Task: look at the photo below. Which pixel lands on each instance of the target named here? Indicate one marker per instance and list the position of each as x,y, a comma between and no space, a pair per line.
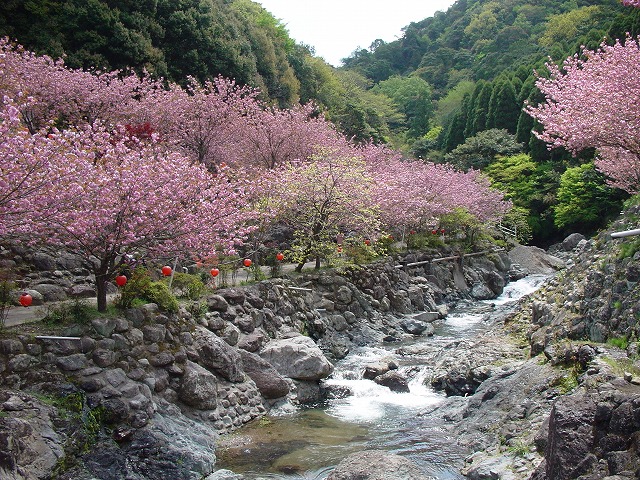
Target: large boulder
199,387
29,444
376,465
297,357
269,382
217,356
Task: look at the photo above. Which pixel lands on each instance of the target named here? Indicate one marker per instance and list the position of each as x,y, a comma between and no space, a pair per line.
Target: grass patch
622,366
75,312
619,342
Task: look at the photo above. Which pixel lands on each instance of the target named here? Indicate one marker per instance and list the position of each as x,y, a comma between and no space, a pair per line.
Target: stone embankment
166,385
569,407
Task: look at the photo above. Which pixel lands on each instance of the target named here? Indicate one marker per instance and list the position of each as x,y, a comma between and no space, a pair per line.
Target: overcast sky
335,28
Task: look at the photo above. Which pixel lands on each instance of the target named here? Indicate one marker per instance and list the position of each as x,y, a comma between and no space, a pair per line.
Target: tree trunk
101,291
317,263
299,267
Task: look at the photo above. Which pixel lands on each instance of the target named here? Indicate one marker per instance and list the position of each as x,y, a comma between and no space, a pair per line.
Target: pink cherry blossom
592,102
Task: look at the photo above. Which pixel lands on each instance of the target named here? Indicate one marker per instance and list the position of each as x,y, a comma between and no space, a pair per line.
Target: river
306,444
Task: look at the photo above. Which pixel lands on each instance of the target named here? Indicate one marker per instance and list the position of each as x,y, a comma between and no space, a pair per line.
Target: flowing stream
307,443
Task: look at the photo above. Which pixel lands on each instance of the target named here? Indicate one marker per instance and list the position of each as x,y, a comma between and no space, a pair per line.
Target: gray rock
51,293
298,358
343,295
416,327
216,355
154,333
104,326
29,443
224,475
217,303
43,262
253,341
394,381
572,241
73,362
376,465
269,382
81,291
199,387
104,358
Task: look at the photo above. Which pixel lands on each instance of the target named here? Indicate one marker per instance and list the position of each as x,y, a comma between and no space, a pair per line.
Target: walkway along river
307,443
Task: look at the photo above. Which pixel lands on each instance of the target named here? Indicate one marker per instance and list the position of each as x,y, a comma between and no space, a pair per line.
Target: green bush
187,286
619,342
141,287
135,288
158,293
71,312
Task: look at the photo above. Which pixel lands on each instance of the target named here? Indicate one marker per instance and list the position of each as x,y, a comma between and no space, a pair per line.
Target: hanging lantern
280,256
121,280
339,249
166,270
435,232
247,262
367,242
412,232
214,272
442,231
26,299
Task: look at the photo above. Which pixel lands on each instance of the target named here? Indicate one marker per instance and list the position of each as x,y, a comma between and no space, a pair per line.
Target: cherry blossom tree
69,97
322,198
276,137
416,194
118,200
592,102
631,3
203,121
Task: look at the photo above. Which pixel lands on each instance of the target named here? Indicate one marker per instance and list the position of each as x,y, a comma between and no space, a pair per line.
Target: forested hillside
451,90
479,59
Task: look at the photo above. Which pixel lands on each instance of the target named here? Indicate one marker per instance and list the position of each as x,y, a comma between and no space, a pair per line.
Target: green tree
480,150
585,202
411,96
504,109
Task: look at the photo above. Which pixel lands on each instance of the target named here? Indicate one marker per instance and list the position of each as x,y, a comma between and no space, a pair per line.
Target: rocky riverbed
147,395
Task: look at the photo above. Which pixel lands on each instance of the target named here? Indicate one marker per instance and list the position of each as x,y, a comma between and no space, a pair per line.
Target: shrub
187,286
158,293
141,287
73,311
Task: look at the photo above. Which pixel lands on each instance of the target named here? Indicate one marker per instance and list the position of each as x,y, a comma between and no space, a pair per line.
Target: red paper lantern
435,232
339,249
215,272
367,242
121,280
26,299
166,270
442,231
280,256
412,232
247,262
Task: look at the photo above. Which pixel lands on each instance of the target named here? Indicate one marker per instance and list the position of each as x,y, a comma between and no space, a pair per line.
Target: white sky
335,28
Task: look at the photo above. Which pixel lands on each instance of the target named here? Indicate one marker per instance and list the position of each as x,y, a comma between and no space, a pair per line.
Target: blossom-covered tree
69,97
416,194
276,137
592,102
631,3
118,200
322,198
